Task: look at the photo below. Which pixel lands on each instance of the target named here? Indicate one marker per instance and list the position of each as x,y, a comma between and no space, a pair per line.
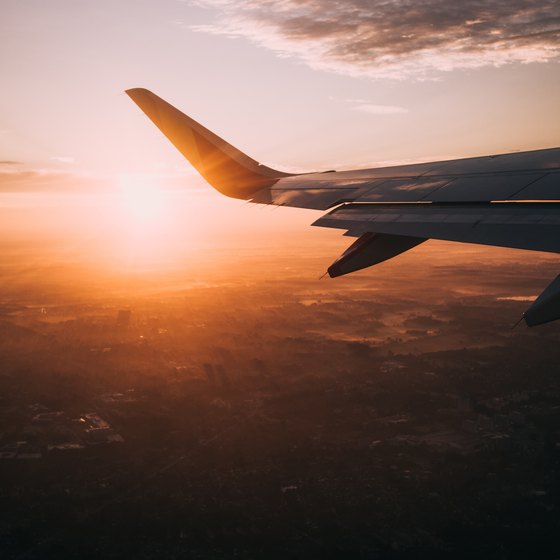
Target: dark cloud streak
396,38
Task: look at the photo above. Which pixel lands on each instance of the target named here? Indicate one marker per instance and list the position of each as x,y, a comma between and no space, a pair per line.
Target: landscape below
252,410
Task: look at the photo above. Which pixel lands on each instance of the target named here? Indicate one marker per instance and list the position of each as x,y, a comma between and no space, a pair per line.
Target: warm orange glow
144,204
145,221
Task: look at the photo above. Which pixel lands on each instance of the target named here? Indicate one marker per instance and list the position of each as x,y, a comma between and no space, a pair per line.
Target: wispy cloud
380,109
62,159
395,38
61,180
47,180
369,106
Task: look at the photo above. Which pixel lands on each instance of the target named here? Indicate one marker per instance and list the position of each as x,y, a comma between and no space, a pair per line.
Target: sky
300,85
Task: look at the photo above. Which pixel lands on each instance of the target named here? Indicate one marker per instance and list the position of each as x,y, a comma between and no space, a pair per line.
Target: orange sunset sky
300,85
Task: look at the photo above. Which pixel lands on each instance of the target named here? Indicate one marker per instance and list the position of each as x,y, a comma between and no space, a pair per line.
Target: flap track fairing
370,249
546,307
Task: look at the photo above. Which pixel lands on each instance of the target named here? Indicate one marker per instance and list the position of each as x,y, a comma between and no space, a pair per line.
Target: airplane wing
506,200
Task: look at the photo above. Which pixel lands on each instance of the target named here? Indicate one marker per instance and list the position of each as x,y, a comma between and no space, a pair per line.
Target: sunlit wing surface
507,200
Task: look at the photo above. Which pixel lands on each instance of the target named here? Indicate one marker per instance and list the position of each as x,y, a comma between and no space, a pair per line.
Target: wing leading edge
507,200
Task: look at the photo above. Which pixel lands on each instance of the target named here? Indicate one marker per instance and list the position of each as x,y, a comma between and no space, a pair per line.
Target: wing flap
516,225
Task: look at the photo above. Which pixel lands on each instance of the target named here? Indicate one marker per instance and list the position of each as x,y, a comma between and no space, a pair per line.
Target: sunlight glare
143,203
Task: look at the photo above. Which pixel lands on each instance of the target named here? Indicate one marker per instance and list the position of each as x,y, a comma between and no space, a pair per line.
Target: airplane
505,200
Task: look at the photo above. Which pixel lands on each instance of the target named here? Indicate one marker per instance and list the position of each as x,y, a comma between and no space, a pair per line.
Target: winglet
226,168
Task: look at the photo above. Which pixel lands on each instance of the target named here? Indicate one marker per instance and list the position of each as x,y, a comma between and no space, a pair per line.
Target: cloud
368,106
395,38
46,180
62,159
10,162
380,109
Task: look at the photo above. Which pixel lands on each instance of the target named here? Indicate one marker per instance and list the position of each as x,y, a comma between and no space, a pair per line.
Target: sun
142,219
143,201
149,222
